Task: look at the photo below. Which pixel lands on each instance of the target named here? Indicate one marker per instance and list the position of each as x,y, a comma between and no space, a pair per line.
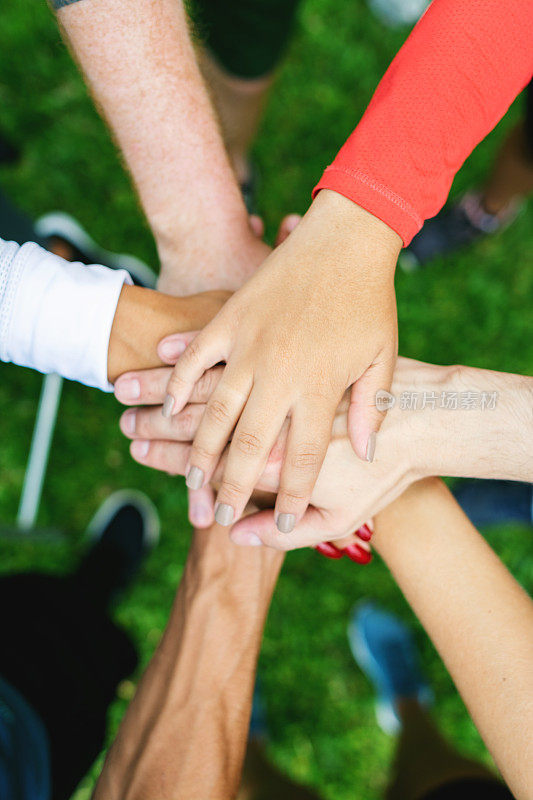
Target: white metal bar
43,432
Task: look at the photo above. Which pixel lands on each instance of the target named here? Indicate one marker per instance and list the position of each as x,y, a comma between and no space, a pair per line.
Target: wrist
464,422
224,258
245,576
143,317
352,223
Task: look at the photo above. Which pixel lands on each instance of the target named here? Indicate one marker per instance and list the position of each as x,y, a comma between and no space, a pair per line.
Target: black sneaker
454,227
123,531
59,228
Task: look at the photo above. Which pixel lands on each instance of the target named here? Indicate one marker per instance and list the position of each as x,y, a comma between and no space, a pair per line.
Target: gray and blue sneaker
385,650
63,228
456,226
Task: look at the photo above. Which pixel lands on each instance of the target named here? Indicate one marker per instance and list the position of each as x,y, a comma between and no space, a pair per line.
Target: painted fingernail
371,447
173,348
199,515
168,405
195,478
249,540
329,550
140,448
364,533
128,422
358,554
224,514
128,389
285,522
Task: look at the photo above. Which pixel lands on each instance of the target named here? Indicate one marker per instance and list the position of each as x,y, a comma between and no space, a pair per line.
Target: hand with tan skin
492,442
143,316
318,316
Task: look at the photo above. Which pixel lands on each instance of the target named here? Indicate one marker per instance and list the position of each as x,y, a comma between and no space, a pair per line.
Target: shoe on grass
384,649
121,534
79,246
456,226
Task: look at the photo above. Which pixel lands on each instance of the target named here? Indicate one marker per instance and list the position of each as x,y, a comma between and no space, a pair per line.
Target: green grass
473,308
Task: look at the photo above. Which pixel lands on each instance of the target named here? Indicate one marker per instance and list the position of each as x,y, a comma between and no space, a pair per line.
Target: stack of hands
276,429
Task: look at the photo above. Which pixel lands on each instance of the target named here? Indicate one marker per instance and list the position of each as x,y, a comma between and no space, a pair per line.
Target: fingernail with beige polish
224,514
195,478
371,447
285,522
168,405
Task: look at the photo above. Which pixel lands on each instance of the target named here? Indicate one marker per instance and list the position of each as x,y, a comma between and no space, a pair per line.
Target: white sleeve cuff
56,316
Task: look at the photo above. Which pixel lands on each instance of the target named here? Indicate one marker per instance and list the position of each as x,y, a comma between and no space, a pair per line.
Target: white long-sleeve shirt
56,316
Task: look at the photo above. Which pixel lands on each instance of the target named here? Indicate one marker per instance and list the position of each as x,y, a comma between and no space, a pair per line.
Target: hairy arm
184,734
139,62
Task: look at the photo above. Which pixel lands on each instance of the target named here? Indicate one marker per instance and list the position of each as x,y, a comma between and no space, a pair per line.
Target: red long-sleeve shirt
451,82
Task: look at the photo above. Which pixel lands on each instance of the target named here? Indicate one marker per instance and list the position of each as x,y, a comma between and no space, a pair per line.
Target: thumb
261,528
257,225
202,506
172,347
370,398
287,225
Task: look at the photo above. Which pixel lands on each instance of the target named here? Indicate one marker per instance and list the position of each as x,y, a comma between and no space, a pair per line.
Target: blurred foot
123,531
385,650
456,226
67,238
9,154
258,730
248,186
488,502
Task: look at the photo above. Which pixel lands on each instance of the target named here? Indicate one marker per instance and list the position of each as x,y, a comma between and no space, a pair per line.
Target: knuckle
247,443
307,457
217,410
292,498
231,489
193,354
177,382
184,423
202,454
207,383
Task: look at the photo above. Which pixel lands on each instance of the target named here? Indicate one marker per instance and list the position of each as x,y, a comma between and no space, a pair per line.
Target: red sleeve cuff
374,197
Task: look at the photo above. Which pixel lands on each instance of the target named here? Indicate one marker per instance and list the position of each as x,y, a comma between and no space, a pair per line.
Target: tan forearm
143,317
479,618
184,734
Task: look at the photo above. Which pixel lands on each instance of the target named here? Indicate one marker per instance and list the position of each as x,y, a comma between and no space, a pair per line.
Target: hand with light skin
483,443
318,316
